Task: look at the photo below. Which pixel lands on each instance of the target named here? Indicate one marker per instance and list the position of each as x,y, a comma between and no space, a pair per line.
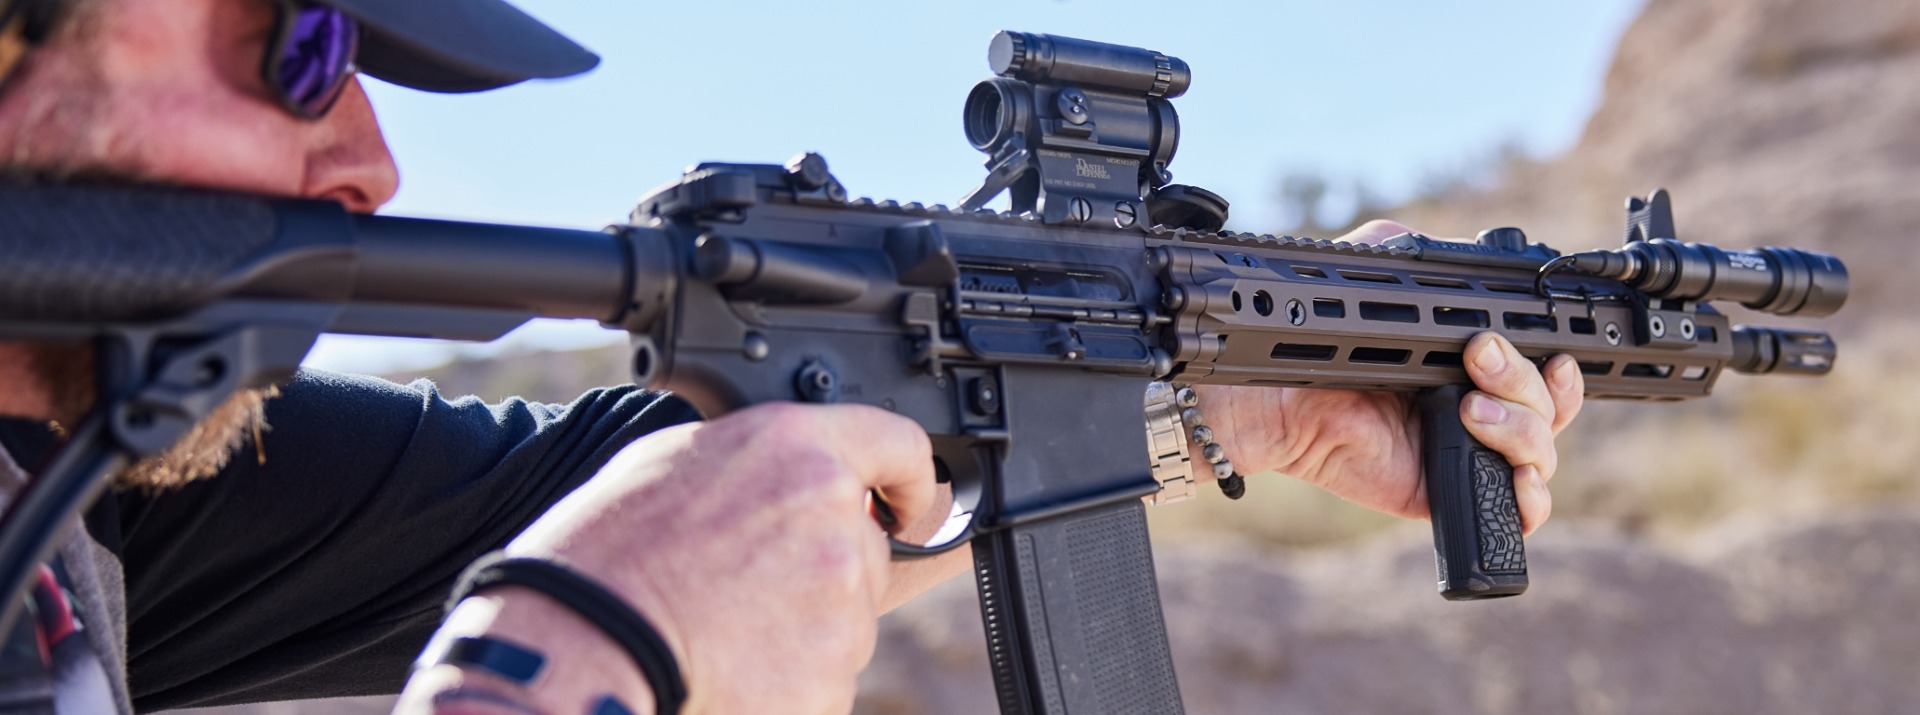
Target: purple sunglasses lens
318,57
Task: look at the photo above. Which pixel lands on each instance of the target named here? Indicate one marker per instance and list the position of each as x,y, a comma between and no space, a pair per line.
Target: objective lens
991,114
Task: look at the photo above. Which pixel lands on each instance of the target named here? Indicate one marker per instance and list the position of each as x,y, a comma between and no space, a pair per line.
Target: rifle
1021,340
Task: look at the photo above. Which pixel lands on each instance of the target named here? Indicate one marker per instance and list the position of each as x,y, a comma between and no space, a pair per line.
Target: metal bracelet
1167,444
1175,426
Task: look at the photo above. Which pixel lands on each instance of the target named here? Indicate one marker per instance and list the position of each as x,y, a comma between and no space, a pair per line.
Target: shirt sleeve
317,566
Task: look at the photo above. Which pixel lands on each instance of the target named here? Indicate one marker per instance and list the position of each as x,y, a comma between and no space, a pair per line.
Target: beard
65,375
207,448
58,136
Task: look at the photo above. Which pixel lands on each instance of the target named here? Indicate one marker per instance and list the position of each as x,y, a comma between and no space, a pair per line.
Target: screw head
1657,326
1613,333
1296,312
756,347
1686,328
1079,210
1072,105
1159,258
1174,298
1123,215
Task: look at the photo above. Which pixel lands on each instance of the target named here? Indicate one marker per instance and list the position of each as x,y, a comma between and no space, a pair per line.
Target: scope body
1078,132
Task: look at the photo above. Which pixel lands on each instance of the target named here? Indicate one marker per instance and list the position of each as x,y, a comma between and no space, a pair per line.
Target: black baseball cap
459,45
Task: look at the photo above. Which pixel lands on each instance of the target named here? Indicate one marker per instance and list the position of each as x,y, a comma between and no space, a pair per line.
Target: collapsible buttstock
1476,521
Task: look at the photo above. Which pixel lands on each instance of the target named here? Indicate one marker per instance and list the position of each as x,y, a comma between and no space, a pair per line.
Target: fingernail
1492,359
1484,410
1562,376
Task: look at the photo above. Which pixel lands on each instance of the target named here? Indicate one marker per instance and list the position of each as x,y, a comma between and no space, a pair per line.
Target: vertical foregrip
1476,522
1073,619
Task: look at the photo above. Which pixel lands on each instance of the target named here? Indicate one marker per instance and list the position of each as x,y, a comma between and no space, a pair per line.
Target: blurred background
1758,552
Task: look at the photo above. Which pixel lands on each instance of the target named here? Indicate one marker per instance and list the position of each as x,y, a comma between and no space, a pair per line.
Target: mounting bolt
1174,298
1656,326
1123,215
1296,312
1686,328
1158,259
1078,210
1613,333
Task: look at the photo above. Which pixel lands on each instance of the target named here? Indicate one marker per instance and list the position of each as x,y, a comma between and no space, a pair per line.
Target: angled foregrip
1476,522
1073,616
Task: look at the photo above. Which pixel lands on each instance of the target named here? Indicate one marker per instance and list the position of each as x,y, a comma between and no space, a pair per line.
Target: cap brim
460,45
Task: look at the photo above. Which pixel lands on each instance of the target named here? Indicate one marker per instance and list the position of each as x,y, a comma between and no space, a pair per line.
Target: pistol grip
1476,522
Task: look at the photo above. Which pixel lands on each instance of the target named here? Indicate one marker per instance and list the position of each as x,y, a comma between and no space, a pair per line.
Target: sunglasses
310,60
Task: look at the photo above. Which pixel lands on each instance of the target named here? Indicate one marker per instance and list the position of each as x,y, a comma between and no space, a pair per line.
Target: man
316,561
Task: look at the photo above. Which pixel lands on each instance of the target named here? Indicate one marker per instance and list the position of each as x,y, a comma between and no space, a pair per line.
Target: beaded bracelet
1231,483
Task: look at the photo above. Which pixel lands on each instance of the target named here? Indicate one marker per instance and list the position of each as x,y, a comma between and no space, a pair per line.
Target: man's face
169,91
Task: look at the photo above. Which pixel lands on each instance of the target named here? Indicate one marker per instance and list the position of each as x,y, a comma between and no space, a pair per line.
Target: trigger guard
903,551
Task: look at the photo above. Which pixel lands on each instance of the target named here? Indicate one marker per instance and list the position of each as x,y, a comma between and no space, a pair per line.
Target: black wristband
593,603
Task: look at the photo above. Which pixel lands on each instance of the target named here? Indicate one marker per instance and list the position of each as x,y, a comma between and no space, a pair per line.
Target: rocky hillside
1783,122
1786,619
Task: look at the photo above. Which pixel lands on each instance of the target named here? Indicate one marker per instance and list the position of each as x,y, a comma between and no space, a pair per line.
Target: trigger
882,510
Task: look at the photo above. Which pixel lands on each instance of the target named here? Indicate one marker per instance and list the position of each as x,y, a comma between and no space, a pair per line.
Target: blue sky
1382,90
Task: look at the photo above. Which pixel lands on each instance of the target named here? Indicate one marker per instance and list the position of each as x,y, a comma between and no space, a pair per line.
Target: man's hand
748,542
1365,446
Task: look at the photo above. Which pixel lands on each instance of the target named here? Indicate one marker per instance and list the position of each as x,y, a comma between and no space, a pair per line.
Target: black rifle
1022,341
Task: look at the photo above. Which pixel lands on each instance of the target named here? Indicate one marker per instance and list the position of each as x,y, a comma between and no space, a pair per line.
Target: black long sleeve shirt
322,571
